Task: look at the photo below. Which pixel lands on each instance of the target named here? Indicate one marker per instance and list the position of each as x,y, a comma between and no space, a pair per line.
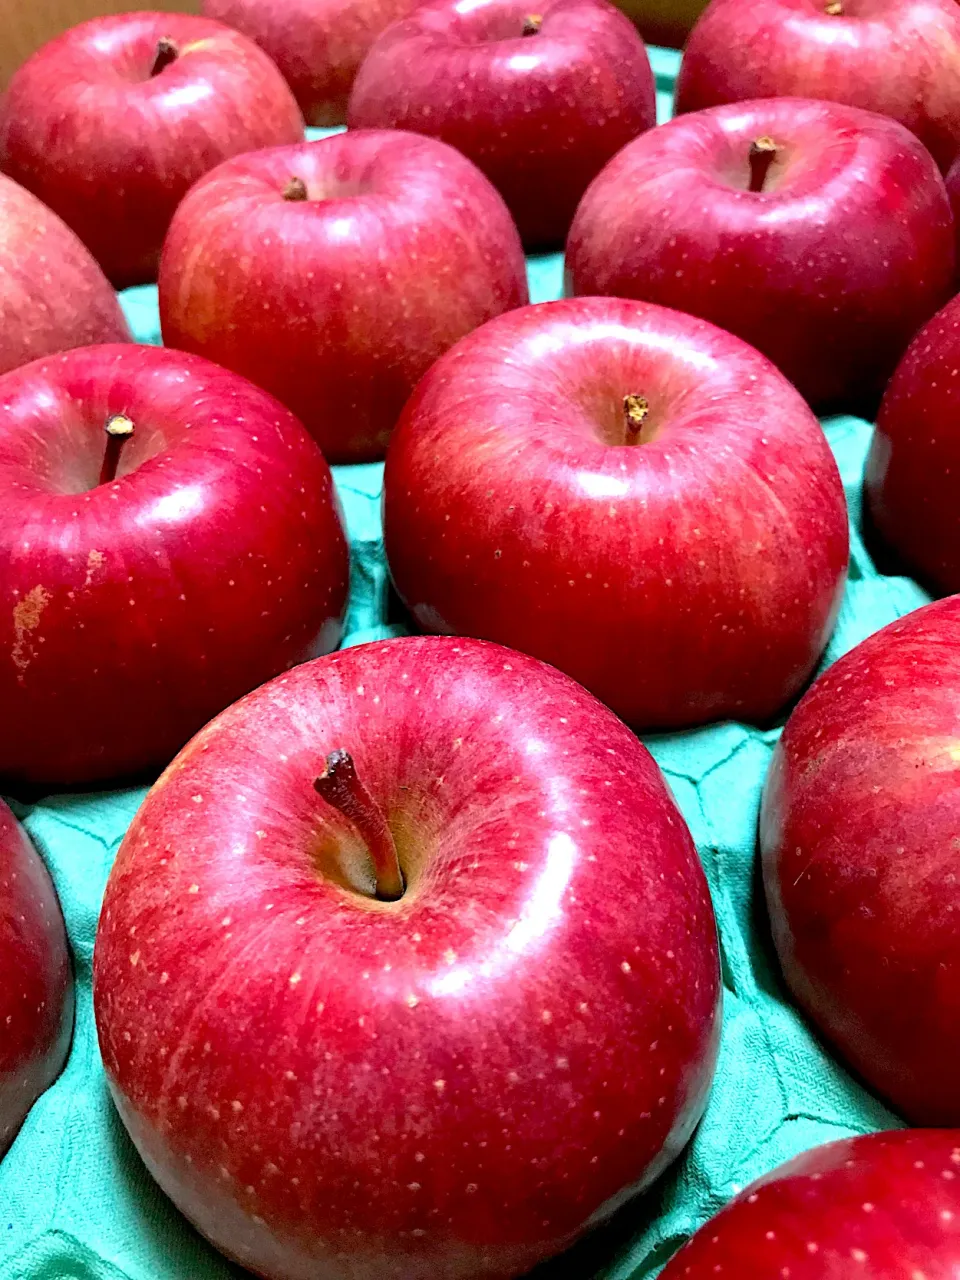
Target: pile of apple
407,968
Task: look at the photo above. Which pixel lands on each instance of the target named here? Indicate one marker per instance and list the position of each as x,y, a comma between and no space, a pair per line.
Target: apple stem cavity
340,787
167,52
295,190
532,24
636,411
119,429
763,152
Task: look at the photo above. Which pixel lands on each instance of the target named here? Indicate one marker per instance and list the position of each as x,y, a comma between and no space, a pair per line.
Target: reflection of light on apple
523,62
187,95
540,911
339,228
179,505
534,747
597,486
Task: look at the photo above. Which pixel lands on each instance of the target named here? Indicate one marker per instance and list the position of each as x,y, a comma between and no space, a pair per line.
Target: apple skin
447,1087
540,115
912,478
858,838
53,295
113,150
132,612
318,46
339,303
691,578
884,1206
830,270
900,58
36,994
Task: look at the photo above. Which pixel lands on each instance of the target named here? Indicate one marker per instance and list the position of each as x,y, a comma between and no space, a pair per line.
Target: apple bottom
280,1256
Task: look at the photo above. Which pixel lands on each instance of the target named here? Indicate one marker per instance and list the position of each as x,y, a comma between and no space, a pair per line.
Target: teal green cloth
75,1202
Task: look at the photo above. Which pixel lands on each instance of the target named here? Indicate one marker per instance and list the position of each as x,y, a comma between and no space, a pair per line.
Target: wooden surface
27,24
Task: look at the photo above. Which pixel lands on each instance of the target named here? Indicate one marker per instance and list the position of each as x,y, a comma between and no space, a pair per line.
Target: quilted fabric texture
75,1201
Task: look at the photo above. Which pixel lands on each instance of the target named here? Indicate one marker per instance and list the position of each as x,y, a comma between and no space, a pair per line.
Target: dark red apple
329,1080
539,100
898,57
112,122
53,296
169,538
630,494
861,861
881,1207
819,233
36,990
912,480
317,44
335,273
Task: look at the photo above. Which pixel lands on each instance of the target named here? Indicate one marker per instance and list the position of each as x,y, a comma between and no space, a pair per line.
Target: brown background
26,24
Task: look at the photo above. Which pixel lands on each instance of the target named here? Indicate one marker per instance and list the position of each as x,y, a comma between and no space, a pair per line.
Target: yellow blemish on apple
26,618
95,560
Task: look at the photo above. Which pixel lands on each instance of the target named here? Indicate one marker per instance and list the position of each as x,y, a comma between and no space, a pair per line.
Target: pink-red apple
330,1080
111,123
912,480
898,57
539,96
861,863
53,295
885,1206
36,991
819,233
630,494
169,538
317,44
335,273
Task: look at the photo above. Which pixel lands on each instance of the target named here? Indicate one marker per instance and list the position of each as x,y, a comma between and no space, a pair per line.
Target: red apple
881,1207
819,233
455,1083
860,860
912,480
630,494
53,296
898,57
36,993
317,44
112,122
539,101
169,538
335,273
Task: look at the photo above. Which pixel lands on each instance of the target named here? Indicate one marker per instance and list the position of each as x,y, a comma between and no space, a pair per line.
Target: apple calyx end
167,52
834,9
295,190
340,786
636,411
763,152
532,24
119,428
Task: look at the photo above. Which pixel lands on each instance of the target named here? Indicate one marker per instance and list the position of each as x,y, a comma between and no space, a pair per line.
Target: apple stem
167,52
834,9
119,429
532,24
340,787
296,189
635,411
763,152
